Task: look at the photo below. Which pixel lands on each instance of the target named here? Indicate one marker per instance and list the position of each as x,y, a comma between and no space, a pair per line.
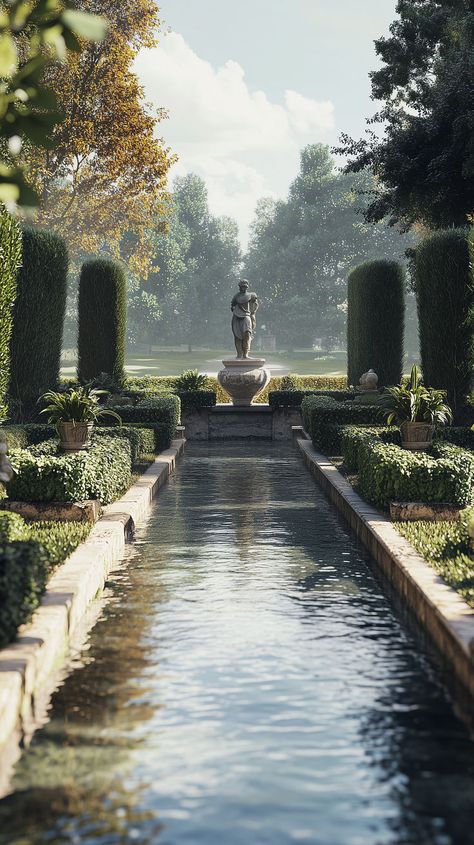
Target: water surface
249,683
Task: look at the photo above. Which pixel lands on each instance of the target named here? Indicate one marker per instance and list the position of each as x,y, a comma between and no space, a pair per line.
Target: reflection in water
248,683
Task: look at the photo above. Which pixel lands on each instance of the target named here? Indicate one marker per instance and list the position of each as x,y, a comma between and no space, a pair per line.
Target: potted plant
74,413
417,410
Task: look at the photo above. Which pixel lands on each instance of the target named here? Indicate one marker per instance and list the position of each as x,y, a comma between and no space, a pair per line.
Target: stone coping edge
440,610
41,647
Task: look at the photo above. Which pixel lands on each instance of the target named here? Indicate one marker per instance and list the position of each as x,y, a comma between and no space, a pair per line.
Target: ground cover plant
446,546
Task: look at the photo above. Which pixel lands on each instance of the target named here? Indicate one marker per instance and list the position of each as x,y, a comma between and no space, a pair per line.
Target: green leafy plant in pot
74,413
417,410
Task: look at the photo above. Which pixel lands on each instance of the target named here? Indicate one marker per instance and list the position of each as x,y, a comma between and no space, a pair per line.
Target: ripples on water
248,684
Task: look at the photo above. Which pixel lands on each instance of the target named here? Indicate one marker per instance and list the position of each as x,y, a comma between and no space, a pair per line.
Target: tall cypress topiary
102,320
10,261
445,298
38,318
375,321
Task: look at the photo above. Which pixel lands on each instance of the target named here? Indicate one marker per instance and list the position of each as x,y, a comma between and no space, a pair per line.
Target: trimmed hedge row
58,539
135,384
387,472
324,419
192,400
162,412
294,398
43,475
142,440
23,572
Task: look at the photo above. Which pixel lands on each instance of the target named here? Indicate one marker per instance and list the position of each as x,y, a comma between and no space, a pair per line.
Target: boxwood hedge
23,573
324,419
389,473
43,474
163,411
294,398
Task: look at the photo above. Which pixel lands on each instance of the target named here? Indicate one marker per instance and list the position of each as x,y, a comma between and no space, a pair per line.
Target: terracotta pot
417,436
75,437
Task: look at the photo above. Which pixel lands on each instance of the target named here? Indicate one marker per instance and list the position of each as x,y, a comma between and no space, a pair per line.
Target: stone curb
440,610
42,644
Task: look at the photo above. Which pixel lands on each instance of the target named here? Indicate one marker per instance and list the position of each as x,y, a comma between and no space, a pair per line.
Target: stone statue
244,306
369,380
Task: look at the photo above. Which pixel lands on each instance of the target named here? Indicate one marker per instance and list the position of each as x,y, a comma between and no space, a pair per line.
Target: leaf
90,27
8,55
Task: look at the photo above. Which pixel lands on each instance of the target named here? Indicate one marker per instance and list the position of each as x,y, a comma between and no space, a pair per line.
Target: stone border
439,609
42,644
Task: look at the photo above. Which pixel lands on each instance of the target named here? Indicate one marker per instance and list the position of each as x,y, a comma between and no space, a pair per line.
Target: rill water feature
249,683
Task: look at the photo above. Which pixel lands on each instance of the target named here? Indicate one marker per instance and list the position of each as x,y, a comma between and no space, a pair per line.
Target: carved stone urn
243,379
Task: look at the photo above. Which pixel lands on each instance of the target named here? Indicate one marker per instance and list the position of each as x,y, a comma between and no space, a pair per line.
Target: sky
248,84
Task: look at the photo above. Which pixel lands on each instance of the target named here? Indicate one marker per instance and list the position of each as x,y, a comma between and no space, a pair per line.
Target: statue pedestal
243,379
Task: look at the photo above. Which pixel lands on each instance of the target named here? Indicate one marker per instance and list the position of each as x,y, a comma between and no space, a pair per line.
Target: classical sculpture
369,380
244,306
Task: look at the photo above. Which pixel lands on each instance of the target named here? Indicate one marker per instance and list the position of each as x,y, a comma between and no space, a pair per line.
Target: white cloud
241,143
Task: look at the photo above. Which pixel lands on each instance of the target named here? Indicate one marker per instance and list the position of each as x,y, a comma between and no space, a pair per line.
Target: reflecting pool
248,683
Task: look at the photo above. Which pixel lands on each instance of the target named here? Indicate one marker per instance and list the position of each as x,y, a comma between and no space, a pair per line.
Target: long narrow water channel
248,683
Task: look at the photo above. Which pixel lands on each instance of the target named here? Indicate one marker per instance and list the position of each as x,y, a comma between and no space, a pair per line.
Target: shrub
193,399
10,261
136,384
44,475
23,572
38,318
190,380
12,527
387,472
375,321
102,320
457,435
160,410
293,398
59,539
324,419
445,296
142,440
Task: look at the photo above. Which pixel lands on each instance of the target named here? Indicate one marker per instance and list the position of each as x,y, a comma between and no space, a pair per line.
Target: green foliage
413,402
445,293
161,410
10,261
102,320
387,472
28,108
446,547
375,321
58,539
77,404
190,380
457,435
44,475
12,527
423,158
142,440
23,572
293,398
301,250
192,400
323,419
38,319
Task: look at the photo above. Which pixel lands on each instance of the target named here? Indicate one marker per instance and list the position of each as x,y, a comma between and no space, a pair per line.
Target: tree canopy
302,248
424,160
107,172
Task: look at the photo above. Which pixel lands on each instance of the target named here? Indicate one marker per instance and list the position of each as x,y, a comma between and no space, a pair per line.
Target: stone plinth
243,379
227,422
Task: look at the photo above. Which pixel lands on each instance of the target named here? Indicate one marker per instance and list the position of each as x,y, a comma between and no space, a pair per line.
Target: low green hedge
163,411
350,442
42,474
142,440
457,435
388,473
12,527
192,400
294,398
324,419
23,573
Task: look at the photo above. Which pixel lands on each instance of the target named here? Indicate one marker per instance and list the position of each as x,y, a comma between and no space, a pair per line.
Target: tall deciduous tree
302,248
107,172
424,160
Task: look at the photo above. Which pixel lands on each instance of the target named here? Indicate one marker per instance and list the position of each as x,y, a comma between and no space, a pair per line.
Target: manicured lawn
304,362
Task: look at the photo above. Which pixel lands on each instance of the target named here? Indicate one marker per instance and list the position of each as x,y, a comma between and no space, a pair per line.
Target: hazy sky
249,83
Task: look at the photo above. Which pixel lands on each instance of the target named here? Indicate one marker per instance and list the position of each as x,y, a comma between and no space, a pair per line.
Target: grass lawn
304,362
